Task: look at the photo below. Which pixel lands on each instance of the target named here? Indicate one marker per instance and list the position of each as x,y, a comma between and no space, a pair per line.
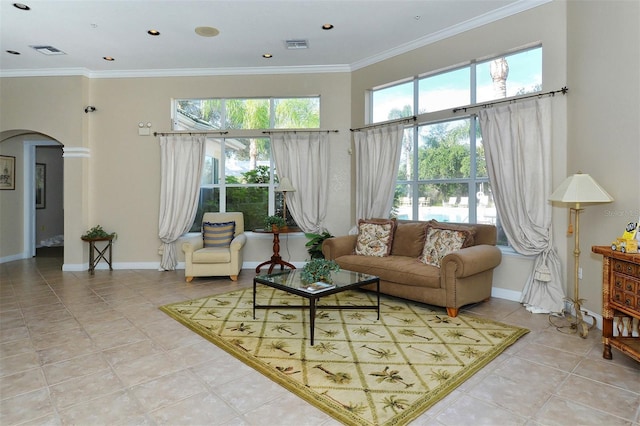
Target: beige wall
604,121
590,46
118,185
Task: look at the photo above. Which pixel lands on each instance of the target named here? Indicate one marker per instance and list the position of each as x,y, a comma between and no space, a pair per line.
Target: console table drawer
626,268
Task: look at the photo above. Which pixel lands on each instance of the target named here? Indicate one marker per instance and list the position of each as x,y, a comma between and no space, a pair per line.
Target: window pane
446,90
198,114
212,162
209,202
392,102
402,202
247,113
247,160
252,201
486,209
444,151
450,202
510,75
405,171
297,113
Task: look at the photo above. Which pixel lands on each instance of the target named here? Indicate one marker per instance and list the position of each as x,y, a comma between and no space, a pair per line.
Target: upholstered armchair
218,251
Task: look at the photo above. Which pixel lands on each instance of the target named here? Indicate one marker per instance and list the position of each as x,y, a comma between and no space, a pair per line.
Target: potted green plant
314,245
271,222
318,270
97,233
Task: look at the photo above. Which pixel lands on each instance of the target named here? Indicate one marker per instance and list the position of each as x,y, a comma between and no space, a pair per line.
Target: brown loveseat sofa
464,276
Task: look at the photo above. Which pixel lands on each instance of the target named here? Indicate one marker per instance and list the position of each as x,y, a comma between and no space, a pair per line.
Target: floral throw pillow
440,242
375,237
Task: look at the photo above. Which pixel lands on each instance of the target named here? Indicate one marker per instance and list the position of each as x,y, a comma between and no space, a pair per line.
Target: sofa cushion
408,239
218,234
439,242
470,229
375,237
397,269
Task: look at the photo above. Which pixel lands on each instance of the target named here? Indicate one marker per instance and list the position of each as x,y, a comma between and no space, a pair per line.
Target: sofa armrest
238,242
333,248
193,243
472,260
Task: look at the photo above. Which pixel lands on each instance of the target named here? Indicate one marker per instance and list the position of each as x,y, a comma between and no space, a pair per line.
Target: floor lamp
576,189
284,187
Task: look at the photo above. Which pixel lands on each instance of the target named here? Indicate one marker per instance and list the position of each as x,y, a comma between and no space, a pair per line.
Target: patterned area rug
361,371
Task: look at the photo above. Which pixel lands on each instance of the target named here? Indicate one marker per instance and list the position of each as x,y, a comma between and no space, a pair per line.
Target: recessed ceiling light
108,58
153,32
13,52
207,31
267,55
21,6
327,27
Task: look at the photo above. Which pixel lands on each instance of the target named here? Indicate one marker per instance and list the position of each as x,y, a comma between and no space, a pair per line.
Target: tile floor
77,349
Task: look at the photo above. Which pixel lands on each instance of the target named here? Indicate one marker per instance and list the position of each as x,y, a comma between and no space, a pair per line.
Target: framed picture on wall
7,172
41,182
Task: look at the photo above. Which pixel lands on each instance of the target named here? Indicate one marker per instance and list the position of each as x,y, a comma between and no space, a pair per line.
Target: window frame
223,134
447,115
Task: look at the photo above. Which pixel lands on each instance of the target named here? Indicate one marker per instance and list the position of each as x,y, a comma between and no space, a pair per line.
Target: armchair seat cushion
212,255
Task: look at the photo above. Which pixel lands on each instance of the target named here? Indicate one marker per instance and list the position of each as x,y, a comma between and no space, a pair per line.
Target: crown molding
496,15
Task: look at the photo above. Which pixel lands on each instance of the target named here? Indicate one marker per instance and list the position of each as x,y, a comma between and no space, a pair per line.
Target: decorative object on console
576,189
628,242
284,187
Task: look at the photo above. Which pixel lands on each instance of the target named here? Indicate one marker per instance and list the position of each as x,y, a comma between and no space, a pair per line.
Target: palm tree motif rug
360,370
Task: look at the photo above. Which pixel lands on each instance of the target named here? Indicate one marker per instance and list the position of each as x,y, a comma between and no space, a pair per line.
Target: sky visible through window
451,89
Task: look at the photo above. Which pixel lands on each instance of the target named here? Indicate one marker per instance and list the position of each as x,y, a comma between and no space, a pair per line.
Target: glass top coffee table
290,282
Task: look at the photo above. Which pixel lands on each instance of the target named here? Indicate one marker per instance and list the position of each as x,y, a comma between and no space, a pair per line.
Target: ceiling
364,32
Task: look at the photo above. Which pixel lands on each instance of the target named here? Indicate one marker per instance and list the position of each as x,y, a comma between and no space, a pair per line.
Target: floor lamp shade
580,188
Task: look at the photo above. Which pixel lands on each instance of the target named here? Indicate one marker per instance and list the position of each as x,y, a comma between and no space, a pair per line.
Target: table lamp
284,187
576,189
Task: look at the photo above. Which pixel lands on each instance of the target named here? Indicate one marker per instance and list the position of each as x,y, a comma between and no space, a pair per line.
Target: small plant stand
96,254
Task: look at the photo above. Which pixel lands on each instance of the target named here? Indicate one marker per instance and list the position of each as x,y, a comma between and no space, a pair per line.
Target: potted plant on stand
274,223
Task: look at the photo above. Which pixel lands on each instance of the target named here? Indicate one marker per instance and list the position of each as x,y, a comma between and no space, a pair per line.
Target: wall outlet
579,273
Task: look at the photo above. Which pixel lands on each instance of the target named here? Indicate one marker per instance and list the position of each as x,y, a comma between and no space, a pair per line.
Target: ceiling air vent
48,50
296,44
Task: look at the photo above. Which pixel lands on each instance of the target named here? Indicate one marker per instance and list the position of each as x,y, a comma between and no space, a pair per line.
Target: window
238,172
443,173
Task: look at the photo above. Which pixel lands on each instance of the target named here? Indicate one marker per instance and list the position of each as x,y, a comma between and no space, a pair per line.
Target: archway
26,224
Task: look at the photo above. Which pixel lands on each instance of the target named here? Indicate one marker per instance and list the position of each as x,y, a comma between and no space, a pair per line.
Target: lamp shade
580,188
285,185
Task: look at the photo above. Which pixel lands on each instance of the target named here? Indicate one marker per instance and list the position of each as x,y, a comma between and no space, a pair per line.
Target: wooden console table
620,301
276,259
101,254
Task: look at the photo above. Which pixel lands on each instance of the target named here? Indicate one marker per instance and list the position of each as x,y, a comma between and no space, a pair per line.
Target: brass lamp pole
579,188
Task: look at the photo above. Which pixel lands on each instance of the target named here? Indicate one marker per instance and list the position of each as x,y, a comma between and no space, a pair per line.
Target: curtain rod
385,123
268,132
206,132
564,91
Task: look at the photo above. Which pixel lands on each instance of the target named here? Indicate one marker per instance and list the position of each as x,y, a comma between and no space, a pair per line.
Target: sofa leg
234,277
188,279
452,312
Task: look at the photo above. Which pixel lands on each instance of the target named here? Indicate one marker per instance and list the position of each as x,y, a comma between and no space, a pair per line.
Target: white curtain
517,142
181,158
377,161
303,157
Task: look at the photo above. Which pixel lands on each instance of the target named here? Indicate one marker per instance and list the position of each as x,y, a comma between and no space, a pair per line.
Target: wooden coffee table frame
315,297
